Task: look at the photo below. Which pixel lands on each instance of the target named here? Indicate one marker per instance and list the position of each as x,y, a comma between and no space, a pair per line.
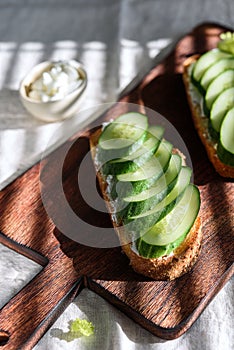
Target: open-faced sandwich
209,83
148,191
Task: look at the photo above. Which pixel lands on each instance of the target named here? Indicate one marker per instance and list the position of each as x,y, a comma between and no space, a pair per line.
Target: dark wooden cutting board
167,309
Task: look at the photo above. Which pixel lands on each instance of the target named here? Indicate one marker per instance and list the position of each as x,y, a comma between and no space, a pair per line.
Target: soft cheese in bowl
51,91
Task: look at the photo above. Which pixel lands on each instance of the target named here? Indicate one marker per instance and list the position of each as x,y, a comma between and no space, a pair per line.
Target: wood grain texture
167,309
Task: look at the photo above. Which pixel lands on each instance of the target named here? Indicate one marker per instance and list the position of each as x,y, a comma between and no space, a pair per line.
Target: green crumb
78,328
226,43
81,327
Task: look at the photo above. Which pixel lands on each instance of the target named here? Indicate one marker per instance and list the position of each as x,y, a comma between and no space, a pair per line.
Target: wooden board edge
157,330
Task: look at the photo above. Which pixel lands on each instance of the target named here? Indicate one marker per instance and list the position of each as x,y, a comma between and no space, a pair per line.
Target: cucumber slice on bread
220,107
161,184
226,143
217,68
168,233
206,61
154,166
223,81
145,220
148,198
123,136
143,178
134,160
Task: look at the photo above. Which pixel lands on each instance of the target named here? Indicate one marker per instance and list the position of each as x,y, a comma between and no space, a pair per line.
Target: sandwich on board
147,189
209,84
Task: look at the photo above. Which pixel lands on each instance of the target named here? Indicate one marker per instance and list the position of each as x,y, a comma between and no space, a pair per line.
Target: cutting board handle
27,316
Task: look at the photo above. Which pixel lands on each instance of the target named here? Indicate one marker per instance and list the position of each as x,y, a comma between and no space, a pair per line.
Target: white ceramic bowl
56,110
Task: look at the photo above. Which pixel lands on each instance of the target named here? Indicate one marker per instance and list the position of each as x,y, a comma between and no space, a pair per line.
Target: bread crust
163,268
201,124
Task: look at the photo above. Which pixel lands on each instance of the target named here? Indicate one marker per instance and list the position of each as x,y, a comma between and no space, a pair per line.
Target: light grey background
114,39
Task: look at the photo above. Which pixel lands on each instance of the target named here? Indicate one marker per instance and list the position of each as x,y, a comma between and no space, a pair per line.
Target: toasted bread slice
166,267
201,123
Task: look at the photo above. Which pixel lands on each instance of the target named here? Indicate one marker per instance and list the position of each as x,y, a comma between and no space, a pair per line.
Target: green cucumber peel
153,251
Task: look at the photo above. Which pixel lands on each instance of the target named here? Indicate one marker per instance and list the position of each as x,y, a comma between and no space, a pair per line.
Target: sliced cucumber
174,226
170,174
182,183
154,166
143,222
226,145
139,157
155,251
224,81
147,199
216,69
124,135
205,61
220,107
154,135
135,182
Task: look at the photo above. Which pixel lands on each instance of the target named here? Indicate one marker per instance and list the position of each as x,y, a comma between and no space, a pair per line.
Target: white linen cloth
114,40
